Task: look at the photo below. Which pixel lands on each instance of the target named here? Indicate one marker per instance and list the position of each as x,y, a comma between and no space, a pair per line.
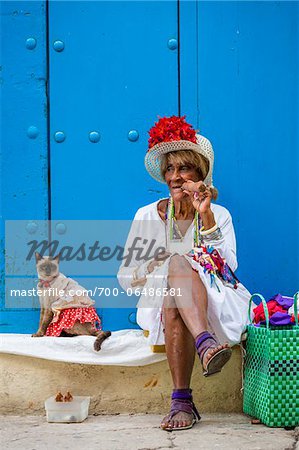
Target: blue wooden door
113,69
24,147
82,82
239,86
248,105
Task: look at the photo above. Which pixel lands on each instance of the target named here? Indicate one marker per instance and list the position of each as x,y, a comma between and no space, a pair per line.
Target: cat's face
47,267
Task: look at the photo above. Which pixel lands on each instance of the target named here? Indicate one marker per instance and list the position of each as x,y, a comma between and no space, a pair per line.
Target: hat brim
153,157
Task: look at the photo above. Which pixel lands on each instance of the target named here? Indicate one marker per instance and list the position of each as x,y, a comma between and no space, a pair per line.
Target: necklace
174,232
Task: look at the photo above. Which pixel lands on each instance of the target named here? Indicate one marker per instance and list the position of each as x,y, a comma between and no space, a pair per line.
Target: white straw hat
167,131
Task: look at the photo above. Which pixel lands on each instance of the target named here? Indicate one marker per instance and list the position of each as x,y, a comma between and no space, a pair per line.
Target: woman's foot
183,413
212,354
179,420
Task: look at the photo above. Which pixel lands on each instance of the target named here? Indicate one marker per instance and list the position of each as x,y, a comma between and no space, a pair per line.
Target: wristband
204,232
214,236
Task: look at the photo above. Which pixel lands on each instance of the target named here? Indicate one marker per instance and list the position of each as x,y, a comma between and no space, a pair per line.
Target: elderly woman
190,298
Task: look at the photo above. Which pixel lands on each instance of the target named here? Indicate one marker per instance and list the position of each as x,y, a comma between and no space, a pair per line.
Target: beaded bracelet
204,232
214,236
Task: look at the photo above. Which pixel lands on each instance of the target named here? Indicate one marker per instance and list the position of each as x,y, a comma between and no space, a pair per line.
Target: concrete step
27,382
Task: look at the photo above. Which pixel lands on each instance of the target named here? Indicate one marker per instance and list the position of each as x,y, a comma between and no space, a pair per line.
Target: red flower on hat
172,128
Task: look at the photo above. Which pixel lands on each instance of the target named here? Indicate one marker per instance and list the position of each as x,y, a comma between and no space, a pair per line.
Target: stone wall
26,382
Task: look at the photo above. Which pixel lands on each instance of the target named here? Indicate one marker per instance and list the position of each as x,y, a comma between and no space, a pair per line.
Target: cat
52,283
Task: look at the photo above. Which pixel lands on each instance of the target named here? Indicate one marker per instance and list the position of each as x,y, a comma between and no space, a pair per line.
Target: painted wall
110,68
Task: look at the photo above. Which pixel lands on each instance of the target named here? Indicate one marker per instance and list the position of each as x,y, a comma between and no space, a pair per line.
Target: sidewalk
141,432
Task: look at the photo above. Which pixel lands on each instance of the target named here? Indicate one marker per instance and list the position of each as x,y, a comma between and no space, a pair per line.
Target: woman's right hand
158,261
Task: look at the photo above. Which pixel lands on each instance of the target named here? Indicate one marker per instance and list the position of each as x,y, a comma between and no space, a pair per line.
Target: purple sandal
181,401
204,342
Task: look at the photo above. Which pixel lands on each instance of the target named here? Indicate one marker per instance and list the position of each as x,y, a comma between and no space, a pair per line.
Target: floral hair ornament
170,134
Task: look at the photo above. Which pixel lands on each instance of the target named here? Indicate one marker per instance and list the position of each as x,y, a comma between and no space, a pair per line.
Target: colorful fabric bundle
212,263
280,309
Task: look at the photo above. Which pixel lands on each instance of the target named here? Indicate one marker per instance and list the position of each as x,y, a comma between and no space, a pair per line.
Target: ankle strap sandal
206,341
182,402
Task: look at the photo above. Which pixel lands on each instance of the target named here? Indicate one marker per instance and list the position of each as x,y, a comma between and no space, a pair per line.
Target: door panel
116,72
113,68
24,149
248,107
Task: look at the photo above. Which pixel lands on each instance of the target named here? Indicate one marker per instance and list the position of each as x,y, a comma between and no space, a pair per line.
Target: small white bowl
67,412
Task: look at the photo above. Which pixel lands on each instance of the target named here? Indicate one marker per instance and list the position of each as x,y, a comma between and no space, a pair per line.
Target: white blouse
227,307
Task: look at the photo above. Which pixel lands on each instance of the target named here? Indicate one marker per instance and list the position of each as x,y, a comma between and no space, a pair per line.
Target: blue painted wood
19,321
114,76
111,73
189,67
24,165
248,107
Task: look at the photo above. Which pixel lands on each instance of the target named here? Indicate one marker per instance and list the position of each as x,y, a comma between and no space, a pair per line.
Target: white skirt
227,307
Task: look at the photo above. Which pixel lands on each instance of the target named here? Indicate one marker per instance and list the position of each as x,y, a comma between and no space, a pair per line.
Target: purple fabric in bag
285,302
280,318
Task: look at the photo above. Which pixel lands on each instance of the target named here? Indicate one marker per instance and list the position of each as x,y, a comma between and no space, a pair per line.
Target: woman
190,298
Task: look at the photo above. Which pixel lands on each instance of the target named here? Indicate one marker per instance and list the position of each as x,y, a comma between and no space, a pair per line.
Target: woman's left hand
200,195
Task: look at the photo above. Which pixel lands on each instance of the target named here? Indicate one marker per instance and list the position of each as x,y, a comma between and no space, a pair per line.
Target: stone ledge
27,382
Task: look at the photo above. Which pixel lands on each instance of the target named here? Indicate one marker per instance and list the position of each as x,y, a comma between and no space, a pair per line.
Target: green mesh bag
271,378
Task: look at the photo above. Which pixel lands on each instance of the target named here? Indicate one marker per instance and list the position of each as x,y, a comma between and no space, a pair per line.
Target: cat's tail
102,335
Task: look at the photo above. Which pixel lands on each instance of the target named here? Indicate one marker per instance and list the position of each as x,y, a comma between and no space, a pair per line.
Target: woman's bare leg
183,324
180,353
179,345
193,302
